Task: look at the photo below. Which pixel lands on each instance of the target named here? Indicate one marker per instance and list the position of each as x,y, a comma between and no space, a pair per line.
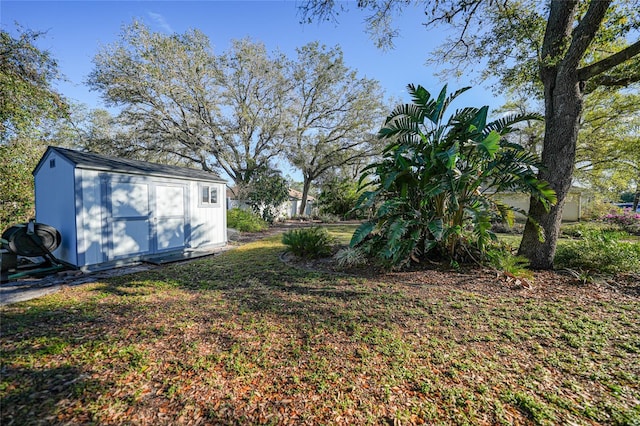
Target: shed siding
55,202
91,217
112,217
208,224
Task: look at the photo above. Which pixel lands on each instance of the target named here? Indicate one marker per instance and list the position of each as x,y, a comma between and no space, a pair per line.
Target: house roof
91,161
295,194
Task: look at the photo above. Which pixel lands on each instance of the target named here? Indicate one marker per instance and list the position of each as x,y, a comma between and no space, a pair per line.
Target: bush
328,218
599,251
338,197
582,229
350,257
308,242
426,188
598,209
245,221
626,220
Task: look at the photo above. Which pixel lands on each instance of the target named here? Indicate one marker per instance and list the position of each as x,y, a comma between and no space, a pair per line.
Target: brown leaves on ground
244,339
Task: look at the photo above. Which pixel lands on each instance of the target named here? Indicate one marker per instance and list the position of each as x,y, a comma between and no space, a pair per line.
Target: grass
241,338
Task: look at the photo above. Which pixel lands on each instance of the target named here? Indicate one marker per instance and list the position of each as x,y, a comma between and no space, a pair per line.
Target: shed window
209,196
52,163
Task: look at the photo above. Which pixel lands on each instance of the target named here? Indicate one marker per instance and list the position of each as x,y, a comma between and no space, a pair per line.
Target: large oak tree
221,112
554,46
334,114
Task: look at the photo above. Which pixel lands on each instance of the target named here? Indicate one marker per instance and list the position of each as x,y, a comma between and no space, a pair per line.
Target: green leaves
491,144
434,188
361,233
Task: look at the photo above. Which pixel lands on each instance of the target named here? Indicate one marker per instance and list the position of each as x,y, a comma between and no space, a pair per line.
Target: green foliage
225,112
245,221
267,191
608,152
350,257
339,197
26,77
333,111
599,250
308,242
502,258
434,188
580,229
599,208
17,160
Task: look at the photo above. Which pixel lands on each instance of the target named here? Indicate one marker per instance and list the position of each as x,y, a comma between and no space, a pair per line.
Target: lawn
241,338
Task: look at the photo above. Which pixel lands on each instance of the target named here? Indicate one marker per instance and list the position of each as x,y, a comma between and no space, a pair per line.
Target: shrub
579,230
349,257
339,197
599,251
434,189
308,242
328,218
266,192
245,221
501,258
626,219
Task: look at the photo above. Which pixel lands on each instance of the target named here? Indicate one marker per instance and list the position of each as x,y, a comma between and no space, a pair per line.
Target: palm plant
434,187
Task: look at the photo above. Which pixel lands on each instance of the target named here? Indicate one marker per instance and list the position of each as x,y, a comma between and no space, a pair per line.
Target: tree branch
609,62
585,32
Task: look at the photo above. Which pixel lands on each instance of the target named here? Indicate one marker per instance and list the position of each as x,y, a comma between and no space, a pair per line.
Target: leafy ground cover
242,338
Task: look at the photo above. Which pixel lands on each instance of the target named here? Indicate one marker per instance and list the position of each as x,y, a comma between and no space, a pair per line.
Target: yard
242,338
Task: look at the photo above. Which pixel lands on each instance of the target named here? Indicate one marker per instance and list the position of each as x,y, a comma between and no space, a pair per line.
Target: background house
112,211
287,210
571,212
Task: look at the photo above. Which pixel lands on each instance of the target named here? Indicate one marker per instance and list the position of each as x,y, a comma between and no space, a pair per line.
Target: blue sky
76,29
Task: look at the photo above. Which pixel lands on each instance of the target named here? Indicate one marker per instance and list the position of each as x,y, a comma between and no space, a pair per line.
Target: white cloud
159,20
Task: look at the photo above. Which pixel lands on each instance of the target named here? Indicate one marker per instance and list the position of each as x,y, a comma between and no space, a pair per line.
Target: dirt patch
486,281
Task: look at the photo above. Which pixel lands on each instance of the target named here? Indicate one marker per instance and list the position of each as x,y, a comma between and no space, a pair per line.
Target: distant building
571,212
287,210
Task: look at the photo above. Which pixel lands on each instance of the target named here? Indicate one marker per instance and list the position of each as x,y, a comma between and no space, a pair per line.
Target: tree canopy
237,111
333,113
28,102
560,51
27,74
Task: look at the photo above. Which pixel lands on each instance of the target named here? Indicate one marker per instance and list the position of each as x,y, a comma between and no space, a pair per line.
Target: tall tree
554,47
255,90
220,112
27,74
28,101
334,114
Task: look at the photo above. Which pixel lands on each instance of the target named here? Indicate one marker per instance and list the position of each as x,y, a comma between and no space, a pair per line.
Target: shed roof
91,161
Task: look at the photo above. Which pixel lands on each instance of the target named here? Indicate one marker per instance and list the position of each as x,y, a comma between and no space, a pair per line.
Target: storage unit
113,211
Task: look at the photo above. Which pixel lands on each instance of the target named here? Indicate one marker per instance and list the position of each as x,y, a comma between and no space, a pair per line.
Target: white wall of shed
90,217
55,203
208,224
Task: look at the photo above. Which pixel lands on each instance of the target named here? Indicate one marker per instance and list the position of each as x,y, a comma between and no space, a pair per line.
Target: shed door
129,218
144,217
170,218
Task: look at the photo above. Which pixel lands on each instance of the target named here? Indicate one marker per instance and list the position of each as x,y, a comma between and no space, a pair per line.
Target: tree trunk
563,109
636,198
305,193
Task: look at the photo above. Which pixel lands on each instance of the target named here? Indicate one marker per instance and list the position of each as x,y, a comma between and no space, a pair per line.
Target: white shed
113,211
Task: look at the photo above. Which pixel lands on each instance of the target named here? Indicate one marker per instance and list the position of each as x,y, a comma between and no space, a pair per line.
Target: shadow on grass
35,394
